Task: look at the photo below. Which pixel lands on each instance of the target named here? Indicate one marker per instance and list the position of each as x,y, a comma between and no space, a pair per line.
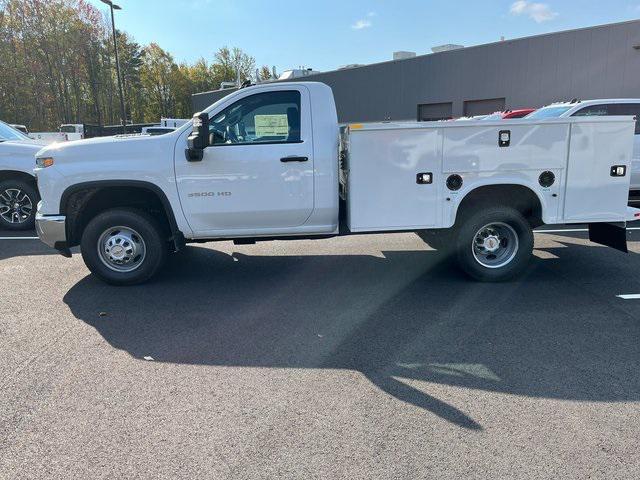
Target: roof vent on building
296,73
403,55
447,47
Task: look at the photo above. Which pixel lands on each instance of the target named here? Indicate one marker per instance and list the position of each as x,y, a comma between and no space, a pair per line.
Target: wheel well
82,205
14,174
519,197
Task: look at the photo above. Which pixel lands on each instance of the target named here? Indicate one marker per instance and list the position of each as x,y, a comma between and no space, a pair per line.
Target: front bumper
53,232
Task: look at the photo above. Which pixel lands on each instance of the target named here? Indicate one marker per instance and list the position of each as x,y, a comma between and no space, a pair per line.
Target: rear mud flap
612,235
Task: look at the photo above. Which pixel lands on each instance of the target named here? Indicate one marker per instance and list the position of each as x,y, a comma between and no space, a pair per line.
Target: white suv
18,191
605,107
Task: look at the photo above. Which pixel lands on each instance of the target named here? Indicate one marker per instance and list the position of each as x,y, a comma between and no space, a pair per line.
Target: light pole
123,114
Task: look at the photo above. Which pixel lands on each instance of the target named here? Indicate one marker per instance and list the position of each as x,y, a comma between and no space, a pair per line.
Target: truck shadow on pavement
406,322
24,248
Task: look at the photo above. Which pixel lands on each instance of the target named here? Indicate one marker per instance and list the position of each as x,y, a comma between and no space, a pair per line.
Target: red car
510,114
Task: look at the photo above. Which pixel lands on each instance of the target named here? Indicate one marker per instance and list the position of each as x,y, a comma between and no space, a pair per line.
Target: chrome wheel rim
495,245
15,206
122,249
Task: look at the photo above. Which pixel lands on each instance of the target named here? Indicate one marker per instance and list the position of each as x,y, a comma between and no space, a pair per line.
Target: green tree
265,73
232,65
158,76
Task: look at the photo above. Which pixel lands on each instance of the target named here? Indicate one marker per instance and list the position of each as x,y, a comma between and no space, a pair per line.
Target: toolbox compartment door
592,193
394,178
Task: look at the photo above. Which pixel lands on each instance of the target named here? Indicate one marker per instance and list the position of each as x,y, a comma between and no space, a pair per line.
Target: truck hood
103,148
19,148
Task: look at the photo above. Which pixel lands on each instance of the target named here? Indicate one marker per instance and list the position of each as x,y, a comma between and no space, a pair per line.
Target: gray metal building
595,62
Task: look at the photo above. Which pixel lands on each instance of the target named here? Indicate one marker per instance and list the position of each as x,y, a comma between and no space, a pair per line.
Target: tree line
57,66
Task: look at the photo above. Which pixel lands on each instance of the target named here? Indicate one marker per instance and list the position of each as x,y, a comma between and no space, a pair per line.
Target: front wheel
18,201
123,246
494,244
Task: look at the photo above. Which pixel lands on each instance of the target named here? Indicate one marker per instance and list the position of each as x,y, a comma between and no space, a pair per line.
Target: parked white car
156,130
73,131
20,127
47,138
602,107
173,122
270,162
18,191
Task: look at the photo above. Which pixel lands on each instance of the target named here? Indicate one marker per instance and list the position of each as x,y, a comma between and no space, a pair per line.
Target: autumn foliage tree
57,66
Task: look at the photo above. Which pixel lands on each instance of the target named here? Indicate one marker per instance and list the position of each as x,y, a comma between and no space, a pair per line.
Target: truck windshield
68,128
548,112
8,133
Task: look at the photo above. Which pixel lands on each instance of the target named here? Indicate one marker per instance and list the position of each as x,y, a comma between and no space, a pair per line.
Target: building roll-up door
431,112
483,107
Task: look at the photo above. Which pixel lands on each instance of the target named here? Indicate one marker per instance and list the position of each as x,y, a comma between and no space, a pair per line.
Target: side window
630,109
271,117
594,110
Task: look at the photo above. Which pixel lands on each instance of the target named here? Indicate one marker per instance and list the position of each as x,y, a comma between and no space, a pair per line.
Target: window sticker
271,125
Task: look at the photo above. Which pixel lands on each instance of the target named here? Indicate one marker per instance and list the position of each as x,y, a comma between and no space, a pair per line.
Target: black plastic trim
63,249
178,237
247,144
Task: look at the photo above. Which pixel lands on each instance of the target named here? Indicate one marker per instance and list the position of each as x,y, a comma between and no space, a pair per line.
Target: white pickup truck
270,162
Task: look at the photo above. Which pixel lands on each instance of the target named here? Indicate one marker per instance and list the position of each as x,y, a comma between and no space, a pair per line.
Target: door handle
294,159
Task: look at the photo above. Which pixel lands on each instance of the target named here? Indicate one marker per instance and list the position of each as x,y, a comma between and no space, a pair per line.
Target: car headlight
44,162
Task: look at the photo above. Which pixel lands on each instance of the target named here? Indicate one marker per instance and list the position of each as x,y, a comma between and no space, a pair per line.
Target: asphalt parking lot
358,357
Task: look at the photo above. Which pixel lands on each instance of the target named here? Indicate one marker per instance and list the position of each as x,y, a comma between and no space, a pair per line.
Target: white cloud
364,22
539,12
360,24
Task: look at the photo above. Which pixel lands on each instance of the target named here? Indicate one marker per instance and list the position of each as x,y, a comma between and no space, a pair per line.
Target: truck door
258,172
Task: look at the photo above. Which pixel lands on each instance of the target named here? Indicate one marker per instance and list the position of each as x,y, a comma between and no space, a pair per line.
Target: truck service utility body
383,163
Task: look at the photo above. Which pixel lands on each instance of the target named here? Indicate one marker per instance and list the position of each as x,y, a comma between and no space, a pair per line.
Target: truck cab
269,166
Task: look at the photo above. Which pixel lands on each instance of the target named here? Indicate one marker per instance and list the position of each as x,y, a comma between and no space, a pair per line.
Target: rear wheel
18,202
123,246
494,244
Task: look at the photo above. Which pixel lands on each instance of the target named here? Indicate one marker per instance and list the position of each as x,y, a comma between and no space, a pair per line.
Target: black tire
28,195
513,223
145,228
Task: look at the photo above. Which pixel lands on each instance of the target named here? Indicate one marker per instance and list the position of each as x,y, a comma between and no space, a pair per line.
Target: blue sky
325,34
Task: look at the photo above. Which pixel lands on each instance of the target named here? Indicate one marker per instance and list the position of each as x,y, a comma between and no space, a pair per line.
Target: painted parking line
632,296
19,238
573,230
